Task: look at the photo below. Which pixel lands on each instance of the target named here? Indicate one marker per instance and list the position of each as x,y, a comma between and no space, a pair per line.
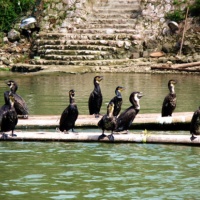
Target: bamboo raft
154,121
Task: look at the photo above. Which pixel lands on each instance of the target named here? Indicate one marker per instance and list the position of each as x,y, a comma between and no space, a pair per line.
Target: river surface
48,94
100,171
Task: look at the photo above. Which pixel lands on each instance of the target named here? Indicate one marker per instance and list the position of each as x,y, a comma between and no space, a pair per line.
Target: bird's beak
140,95
174,82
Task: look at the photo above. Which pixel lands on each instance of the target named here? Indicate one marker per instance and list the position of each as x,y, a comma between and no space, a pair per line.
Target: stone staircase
107,38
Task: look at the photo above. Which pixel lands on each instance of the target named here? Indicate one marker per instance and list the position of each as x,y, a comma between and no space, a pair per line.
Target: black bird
195,123
126,118
117,100
20,105
108,122
169,103
69,115
95,99
8,115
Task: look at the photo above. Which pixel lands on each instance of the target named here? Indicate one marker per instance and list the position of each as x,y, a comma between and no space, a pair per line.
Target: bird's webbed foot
25,116
4,136
102,136
13,135
96,115
192,137
111,137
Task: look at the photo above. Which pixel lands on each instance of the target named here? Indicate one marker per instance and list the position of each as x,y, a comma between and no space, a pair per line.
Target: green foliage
11,10
1,38
176,16
179,15
195,9
178,2
4,69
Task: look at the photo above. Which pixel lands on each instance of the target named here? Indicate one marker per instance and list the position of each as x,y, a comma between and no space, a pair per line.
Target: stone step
105,30
116,5
100,56
105,2
106,62
122,27
74,42
100,10
111,21
111,43
62,38
77,47
102,40
109,15
72,52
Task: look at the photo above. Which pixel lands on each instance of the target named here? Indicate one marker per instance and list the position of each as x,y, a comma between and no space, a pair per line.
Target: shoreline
137,67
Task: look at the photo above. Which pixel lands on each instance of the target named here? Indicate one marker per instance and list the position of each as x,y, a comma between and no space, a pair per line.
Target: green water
48,94
98,171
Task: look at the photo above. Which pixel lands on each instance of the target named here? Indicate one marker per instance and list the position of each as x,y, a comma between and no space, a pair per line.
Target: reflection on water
48,94
98,171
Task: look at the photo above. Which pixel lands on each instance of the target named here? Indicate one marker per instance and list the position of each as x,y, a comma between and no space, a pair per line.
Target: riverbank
15,58
145,41
136,66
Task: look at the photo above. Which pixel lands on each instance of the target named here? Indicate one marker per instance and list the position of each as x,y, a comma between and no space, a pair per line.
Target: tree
11,10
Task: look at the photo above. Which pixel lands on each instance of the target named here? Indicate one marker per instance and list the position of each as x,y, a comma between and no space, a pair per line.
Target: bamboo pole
184,31
86,121
93,137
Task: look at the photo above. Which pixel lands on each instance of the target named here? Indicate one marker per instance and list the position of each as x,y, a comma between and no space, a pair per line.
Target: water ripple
98,171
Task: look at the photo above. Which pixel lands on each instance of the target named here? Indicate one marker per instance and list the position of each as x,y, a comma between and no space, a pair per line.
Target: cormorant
108,122
169,103
20,105
195,123
126,118
8,115
69,115
95,99
117,100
